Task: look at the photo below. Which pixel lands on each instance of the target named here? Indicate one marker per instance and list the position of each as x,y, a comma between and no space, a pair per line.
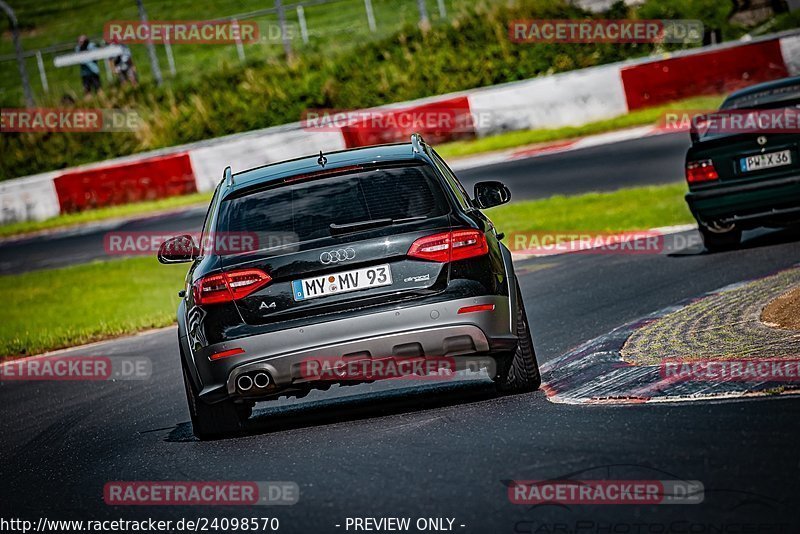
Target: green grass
335,25
51,309
639,208
527,137
111,212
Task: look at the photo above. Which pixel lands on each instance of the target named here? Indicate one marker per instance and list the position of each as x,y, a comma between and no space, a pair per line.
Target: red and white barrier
790,50
133,181
32,198
567,99
265,147
717,71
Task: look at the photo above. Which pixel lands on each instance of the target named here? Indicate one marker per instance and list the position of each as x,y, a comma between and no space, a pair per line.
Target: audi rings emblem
336,256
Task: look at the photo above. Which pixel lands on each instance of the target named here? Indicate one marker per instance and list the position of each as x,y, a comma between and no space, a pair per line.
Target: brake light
701,171
230,286
450,246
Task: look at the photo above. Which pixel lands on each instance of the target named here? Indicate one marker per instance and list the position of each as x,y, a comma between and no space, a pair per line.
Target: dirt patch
784,311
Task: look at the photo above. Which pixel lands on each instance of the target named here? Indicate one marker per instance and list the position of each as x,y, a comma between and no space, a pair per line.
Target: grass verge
100,214
641,117
51,309
638,208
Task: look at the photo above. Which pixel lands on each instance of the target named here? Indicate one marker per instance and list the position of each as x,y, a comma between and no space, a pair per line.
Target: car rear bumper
749,204
430,330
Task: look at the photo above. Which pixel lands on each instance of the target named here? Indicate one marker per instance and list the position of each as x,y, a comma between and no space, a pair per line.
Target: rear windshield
303,211
788,96
770,104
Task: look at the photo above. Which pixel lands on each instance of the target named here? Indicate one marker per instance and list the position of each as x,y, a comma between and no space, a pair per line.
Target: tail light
450,246
701,171
230,286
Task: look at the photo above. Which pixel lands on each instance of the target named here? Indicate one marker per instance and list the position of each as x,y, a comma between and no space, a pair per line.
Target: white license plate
331,284
766,161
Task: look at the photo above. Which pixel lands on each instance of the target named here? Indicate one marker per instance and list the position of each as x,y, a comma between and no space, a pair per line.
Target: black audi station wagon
360,254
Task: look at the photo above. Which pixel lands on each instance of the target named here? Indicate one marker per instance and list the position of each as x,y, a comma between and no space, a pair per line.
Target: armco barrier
567,99
251,151
448,119
32,198
714,72
135,181
571,98
790,50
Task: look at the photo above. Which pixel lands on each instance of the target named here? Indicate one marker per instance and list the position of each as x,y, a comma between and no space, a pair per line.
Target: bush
471,50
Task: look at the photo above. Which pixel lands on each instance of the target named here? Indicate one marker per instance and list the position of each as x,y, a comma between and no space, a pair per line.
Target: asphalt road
637,162
646,161
432,450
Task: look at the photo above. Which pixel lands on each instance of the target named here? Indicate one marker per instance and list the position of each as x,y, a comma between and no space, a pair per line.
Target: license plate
766,161
332,284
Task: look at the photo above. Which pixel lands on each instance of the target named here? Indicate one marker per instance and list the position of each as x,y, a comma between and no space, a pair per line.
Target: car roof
394,153
763,87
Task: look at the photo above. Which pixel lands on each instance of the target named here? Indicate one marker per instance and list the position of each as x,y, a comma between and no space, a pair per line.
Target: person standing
123,65
90,71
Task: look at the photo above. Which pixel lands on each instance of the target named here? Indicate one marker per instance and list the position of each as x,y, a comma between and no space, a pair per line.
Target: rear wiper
339,229
409,219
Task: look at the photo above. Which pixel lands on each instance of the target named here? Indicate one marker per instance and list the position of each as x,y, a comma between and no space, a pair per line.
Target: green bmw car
743,168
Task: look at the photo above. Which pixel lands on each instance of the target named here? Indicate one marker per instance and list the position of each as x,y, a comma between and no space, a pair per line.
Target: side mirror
490,194
179,249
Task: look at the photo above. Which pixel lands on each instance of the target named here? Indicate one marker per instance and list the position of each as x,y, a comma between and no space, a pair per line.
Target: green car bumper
749,204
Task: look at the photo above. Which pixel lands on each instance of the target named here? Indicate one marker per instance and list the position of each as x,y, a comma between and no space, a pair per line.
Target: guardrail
570,98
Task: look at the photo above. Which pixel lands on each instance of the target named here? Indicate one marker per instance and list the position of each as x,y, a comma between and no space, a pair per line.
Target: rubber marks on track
596,372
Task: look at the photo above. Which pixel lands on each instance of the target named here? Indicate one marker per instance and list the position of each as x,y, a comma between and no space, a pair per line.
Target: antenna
227,175
416,143
322,160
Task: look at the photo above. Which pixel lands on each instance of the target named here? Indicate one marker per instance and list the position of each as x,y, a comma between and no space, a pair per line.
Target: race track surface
433,449
439,450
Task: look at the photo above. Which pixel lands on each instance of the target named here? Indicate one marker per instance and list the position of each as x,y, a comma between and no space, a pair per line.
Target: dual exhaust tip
259,380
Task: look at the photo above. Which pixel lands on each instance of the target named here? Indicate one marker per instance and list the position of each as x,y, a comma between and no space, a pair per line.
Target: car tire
518,372
718,241
216,420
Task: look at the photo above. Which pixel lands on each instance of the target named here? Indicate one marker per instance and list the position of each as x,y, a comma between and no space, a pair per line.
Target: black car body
745,177
436,281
